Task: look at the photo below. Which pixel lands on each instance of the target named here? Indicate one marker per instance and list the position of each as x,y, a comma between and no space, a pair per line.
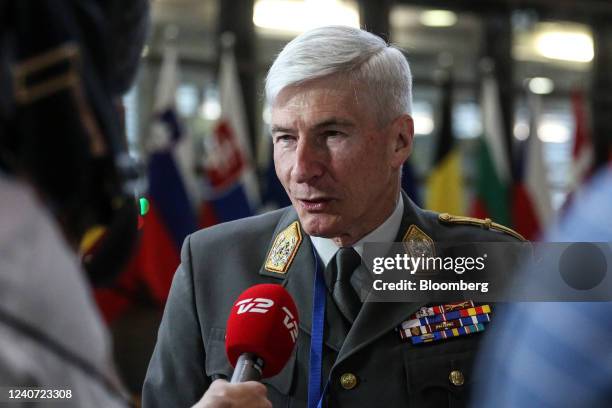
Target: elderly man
341,129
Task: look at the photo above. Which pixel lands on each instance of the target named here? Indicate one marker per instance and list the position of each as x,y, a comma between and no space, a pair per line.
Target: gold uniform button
456,378
348,381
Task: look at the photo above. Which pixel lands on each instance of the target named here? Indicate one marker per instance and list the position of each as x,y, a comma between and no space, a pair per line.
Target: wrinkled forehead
323,95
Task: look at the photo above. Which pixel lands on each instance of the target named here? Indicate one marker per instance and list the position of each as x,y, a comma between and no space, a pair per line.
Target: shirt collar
385,232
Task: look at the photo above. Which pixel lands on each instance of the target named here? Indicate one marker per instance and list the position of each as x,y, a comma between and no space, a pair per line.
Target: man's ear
402,129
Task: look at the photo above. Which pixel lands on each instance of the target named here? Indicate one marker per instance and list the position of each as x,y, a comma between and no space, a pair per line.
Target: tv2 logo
257,305
290,324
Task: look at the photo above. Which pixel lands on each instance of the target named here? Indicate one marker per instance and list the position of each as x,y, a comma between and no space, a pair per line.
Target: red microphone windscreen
263,321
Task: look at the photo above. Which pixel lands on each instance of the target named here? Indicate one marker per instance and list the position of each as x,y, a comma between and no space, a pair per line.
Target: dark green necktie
345,262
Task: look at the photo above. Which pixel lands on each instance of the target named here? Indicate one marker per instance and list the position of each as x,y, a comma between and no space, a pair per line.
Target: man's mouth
314,204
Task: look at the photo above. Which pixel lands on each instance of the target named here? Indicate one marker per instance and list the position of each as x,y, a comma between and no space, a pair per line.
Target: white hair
366,59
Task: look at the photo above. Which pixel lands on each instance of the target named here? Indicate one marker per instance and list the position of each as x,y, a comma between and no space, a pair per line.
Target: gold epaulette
486,224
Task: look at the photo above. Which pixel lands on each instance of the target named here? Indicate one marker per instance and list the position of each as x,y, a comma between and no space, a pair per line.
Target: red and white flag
532,210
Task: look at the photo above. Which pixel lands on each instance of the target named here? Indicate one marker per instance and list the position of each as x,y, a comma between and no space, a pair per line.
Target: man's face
339,166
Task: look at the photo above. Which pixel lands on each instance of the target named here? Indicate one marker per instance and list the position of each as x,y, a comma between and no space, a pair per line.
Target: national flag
444,187
493,178
532,209
170,217
583,153
231,185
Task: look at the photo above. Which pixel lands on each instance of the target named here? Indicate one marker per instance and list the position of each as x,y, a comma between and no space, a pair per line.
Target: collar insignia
418,243
284,248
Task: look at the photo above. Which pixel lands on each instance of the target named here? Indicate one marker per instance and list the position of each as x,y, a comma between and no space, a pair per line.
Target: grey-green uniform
369,367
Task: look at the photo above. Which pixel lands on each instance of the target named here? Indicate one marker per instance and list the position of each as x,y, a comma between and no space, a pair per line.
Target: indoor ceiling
193,25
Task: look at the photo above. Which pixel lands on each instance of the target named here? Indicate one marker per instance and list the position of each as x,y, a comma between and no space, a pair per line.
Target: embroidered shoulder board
486,224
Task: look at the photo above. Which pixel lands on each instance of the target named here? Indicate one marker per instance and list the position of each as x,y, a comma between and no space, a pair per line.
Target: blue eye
284,138
332,133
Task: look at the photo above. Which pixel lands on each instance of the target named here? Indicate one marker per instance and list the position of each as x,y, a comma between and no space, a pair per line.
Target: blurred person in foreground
341,129
556,354
63,169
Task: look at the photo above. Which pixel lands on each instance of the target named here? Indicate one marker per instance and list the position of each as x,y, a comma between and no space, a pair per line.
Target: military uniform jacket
219,263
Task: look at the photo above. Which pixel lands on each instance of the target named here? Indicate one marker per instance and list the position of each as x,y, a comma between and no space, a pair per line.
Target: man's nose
309,161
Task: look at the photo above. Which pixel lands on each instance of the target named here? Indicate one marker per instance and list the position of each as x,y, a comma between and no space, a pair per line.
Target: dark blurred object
112,251
134,334
64,66
64,168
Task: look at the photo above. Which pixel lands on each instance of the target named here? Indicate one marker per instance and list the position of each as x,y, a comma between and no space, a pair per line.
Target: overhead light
541,85
267,114
186,100
562,42
422,117
521,131
467,120
423,124
438,18
294,17
210,110
553,132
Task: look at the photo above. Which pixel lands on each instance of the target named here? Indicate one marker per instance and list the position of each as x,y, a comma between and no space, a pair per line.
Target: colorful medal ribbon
435,323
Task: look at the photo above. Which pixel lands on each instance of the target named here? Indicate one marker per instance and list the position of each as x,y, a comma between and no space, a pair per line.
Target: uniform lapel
378,318
299,282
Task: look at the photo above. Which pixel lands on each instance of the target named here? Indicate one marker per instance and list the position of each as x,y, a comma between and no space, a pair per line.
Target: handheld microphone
262,330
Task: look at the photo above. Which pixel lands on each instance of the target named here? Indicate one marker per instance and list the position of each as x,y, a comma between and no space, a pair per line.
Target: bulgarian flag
444,186
493,168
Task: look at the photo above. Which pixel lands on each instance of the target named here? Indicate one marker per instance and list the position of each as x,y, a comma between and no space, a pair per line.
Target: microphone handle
248,368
